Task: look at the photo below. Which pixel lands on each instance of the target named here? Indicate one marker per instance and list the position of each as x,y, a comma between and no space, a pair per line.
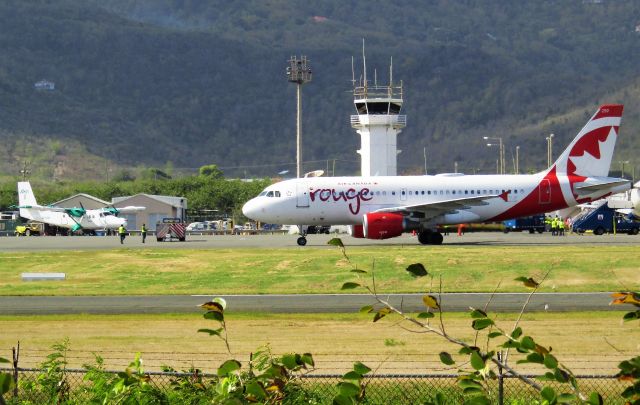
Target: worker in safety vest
122,232
554,226
143,232
560,227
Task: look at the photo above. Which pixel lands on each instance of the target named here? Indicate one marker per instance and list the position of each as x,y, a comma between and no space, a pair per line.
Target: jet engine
385,225
356,231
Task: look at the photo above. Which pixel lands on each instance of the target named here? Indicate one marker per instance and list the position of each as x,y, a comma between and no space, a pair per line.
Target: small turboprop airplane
72,218
386,206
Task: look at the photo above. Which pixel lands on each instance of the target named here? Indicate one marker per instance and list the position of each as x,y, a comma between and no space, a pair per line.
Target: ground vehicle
534,223
605,219
170,228
29,229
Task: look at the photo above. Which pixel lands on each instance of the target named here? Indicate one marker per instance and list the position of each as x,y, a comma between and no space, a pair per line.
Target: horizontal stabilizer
593,187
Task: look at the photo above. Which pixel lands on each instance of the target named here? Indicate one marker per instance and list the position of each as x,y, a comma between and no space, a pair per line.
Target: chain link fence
381,389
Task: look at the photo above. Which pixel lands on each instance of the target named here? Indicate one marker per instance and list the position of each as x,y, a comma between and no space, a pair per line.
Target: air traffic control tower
378,121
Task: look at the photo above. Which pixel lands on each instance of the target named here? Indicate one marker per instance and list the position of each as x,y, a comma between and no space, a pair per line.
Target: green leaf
336,242
289,360
476,361
567,398
469,383
221,301
348,389
342,400
477,400
431,301
425,315
359,271
494,335
381,314
446,358
479,324
307,358
517,332
360,368
528,282
211,332
561,375
417,270
6,383
366,309
595,399
212,306
3,360
631,316
353,377
550,361
528,343
256,390
349,285
228,367
478,313
549,394
535,358
439,399
216,316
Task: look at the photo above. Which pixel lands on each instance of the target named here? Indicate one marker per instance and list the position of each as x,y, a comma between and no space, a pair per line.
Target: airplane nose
250,209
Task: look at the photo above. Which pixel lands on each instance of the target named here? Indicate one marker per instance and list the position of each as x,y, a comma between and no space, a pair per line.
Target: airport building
157,208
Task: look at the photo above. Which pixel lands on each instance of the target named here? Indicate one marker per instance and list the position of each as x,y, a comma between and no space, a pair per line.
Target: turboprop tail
25,194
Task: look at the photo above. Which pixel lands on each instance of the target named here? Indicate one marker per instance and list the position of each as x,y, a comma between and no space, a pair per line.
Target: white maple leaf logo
587,165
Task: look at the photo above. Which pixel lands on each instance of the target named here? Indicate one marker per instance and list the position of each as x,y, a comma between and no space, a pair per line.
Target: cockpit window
277,193
270,194
262,194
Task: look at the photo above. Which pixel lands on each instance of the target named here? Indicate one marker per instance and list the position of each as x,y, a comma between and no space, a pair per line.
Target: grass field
267,271
583,340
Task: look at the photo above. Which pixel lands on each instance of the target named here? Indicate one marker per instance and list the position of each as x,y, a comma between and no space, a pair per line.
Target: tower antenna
353,74
364,64
391,73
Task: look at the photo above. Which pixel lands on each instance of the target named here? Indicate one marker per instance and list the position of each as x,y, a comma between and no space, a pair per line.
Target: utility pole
299,72
24,170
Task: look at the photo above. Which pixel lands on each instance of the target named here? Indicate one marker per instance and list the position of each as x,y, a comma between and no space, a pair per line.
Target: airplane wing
604,184
42,208
434,209
123,210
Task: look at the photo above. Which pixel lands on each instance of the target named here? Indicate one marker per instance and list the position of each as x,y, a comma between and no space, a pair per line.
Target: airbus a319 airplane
70,218
385,207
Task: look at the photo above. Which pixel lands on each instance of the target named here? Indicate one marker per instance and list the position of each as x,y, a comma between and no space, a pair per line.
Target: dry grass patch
336,341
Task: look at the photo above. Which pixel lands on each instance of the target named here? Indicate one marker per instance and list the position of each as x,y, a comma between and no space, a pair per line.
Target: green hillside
147,82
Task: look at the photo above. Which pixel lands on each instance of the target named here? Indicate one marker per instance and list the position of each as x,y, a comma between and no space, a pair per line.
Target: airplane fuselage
344,200
91,220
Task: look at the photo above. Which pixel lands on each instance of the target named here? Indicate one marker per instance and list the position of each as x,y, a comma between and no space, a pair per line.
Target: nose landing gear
302,240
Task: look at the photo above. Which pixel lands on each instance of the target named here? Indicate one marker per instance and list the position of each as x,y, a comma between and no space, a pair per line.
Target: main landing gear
429,237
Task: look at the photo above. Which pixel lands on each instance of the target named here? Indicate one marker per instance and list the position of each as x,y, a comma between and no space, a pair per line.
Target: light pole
500,151
299,72
622,163
549,149
25,171
517,159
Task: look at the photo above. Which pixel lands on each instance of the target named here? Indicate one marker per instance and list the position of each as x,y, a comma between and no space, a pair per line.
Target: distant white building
44,85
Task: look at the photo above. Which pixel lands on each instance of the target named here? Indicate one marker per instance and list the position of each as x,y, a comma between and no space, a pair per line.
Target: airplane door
544,191
302,195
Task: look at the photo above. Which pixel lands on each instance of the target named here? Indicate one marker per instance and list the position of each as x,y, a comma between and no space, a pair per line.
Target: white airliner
70,218
385,207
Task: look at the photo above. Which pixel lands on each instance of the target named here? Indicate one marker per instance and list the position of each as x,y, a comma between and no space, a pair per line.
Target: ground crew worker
560,227
143,232
554,226
123,233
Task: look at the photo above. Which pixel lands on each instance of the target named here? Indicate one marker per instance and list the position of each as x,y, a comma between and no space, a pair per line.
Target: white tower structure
378,121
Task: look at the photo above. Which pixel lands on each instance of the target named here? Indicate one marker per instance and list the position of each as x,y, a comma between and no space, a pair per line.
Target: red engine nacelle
356,231
383,225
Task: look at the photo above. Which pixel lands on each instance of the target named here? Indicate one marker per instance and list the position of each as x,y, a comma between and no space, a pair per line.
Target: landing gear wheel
436,238
424,237
302,241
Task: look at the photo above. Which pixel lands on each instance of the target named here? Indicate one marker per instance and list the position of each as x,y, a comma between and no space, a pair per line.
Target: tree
211,171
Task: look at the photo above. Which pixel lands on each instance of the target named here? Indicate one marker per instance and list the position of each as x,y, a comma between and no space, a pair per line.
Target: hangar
157,208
